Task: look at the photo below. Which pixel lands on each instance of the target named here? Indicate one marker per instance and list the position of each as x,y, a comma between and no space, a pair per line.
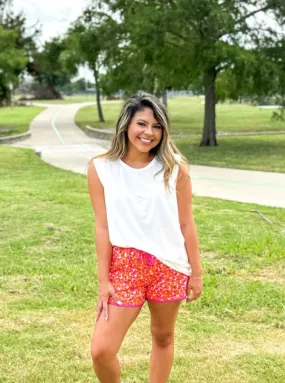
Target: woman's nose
149,129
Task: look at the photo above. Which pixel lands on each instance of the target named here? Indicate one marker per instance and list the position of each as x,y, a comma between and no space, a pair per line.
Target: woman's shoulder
100,158
105,164
103,161
105,168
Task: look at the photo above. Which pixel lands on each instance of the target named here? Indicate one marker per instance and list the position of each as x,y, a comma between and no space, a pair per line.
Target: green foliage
146,60
12,60
16,47
90,40
50,64
253,75
190,42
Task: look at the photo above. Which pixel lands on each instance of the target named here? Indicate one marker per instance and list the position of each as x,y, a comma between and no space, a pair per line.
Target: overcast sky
53,15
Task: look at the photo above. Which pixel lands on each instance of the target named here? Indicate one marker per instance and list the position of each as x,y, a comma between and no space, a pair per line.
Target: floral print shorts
138,276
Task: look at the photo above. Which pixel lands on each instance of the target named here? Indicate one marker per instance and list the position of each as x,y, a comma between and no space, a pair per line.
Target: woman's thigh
163,317
108,335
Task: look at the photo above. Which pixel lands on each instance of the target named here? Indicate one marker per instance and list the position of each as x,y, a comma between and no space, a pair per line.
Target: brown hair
165,150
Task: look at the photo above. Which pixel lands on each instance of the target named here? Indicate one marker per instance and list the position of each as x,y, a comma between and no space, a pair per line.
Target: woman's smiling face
144,131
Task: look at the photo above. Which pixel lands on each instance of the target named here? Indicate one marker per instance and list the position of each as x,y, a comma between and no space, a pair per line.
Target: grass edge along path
48,286
264,152
17,119
186,117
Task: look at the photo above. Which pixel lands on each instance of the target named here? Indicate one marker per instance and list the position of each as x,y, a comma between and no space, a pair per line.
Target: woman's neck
137,158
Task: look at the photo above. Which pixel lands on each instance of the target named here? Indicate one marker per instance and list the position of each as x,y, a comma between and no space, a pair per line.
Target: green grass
48,286
265,153
17,119
186,116
88,116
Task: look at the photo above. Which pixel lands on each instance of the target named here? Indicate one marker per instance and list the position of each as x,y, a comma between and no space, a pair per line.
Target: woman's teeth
145,140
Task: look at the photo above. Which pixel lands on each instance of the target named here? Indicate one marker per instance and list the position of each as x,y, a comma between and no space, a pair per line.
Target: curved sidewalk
64,145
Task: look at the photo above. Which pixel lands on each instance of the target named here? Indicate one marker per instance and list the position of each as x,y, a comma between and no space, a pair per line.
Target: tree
276,55
145,60
211,35
90,40
253,76
50,68
15,47
12,60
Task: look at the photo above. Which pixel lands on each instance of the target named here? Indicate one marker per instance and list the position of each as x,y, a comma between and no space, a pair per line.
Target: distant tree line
224,49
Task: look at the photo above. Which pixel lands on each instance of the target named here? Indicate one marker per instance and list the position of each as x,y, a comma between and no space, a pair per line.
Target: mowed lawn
17,119
234,333
265,152
186,116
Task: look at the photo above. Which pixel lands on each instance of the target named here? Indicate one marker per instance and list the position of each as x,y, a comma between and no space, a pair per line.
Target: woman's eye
157,126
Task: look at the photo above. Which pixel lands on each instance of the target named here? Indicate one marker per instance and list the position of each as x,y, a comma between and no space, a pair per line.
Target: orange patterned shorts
138,276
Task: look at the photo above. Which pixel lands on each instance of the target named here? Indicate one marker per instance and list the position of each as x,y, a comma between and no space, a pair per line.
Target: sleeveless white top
141,213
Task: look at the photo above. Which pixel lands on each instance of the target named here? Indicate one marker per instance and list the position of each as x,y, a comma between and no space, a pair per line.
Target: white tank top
141,213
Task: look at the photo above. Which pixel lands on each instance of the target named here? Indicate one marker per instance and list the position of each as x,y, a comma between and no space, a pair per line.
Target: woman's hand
106,290
194,288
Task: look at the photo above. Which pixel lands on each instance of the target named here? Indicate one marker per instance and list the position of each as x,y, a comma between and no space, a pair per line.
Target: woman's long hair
165,151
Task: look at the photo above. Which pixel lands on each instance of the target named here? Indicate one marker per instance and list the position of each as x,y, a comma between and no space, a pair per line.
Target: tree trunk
97,86
164,98
209,130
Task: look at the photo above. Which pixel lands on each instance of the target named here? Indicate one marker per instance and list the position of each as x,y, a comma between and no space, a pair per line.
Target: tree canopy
51,68
226,48
15,47
208,37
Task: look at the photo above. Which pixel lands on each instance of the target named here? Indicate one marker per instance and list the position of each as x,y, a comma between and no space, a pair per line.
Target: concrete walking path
64,145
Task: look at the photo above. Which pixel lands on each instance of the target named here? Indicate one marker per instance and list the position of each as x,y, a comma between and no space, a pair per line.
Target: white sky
54,17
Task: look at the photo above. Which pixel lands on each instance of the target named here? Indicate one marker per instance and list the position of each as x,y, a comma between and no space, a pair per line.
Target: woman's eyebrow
156,123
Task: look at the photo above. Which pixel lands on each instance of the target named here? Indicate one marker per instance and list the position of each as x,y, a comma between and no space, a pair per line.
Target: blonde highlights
165,150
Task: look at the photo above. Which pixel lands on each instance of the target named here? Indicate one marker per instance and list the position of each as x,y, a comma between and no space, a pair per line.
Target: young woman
146,241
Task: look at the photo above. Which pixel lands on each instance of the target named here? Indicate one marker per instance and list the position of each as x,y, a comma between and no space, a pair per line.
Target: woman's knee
162,338
101,354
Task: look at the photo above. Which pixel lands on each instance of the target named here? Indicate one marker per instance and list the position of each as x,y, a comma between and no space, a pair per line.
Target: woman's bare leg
107,339
163,318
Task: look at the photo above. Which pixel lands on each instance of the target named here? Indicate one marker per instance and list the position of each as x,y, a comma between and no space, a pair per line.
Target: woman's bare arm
102,240
103,245
186,220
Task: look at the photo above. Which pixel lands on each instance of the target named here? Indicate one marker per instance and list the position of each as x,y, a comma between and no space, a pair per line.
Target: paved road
60,141
64,145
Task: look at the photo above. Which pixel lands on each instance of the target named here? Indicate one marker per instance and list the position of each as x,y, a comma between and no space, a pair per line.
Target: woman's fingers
105,307
193,291
99,309
193,296
188,289
105,293
113,294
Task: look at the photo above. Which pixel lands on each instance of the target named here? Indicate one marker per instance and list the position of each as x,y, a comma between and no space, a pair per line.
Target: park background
219,68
